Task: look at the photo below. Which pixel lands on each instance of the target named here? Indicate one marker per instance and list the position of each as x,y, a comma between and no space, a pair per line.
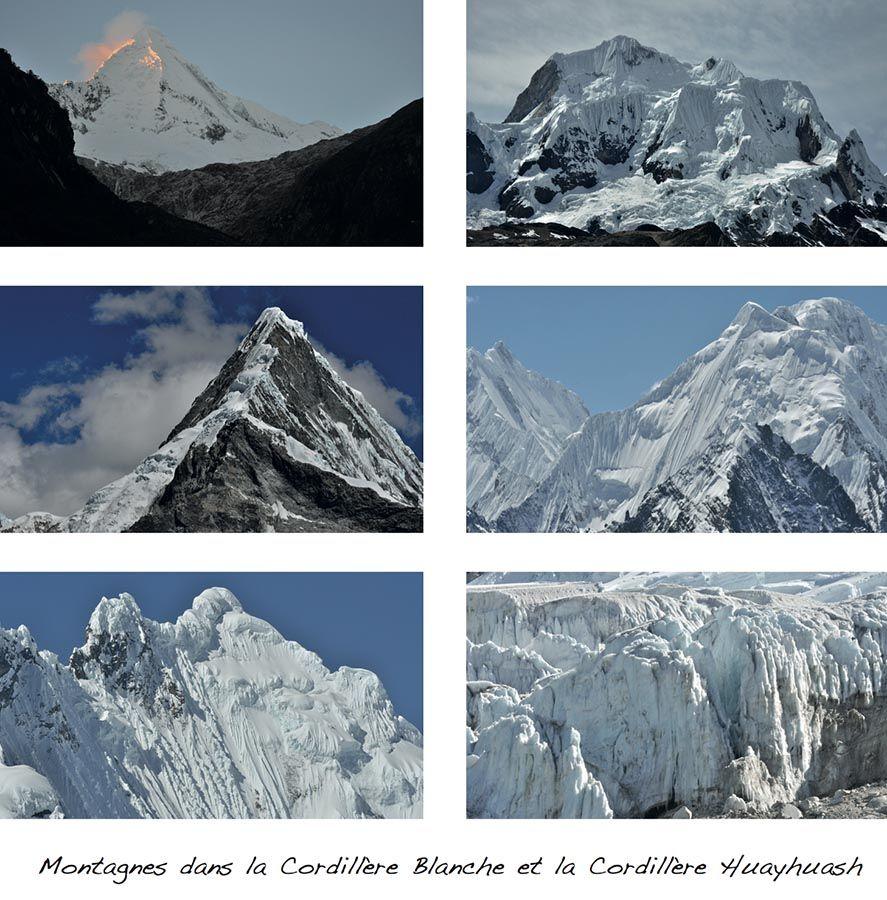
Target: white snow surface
591,703
814,372
518,422
730,142
148,108
387,466
215,715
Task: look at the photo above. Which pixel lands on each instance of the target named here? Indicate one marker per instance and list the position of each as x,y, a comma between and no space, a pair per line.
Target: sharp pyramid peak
274,317
500,350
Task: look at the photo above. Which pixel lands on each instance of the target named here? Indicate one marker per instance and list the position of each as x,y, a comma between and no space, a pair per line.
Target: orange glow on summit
96,55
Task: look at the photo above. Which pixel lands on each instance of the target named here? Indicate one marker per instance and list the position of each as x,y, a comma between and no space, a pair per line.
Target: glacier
278,441
596,699
215,715
624,139
776,425
149,109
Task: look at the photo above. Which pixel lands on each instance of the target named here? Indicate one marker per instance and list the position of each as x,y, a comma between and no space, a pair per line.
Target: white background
445,267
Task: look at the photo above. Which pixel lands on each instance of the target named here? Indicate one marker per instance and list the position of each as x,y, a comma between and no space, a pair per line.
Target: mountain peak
627,136
116,615
500,349
147,107
213,603
274,317
754,315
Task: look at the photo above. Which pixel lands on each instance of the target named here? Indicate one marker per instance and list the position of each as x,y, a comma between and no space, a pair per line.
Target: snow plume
117,33
397,408
99,425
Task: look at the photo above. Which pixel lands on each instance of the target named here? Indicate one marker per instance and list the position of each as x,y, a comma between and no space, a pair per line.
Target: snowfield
150,109
592,699
215,715
776,425
622,136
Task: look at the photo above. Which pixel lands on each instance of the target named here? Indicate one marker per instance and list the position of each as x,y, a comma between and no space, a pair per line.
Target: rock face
588,700
213,716
362,188
621,137
276,442
777,425
149,108
48,199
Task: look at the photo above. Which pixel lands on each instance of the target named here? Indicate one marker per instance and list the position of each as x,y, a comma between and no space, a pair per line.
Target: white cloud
104,423
396,408
834,47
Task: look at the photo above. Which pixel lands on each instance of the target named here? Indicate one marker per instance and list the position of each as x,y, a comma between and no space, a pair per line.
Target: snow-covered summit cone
518,421
147,107
276,442
622,135
778,424
213,715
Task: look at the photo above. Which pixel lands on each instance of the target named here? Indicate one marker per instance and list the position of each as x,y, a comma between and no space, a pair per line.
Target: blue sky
365,620
348,62
93,379
610,345
836,48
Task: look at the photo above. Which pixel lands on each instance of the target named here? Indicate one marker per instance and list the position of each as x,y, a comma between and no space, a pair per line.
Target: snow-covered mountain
215,715
148,108
638,702
518,421
779,424
276,442
622,137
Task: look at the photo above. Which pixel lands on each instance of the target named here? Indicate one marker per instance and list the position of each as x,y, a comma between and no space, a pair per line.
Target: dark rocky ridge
48,199
809,496
359,189
228,486
542,85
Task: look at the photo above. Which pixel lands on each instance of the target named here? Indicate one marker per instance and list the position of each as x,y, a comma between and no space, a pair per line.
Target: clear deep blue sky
364,620
42,326
610,345
348,62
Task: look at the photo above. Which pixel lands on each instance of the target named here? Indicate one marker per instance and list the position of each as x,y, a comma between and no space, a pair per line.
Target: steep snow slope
622,135
214,715
517,424
278,441
654,699
149,108
778,424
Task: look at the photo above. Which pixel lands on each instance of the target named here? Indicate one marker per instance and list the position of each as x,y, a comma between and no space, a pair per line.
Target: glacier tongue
636,703
215,715
149,108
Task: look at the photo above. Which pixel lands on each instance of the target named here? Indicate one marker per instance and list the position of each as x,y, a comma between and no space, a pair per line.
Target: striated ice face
216,715
780,418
